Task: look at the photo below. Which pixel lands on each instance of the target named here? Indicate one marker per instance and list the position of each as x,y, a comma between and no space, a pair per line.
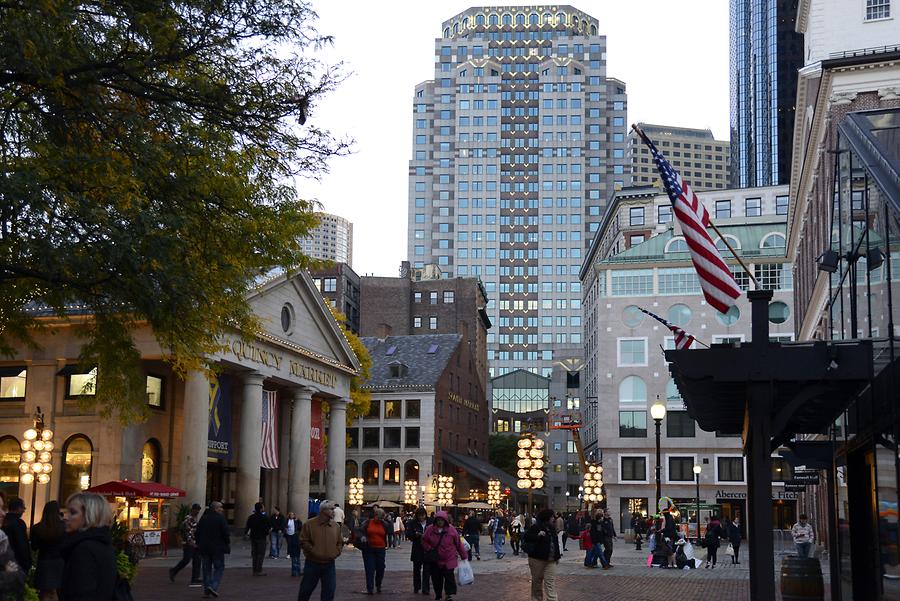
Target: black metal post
33,500
697,477
658,466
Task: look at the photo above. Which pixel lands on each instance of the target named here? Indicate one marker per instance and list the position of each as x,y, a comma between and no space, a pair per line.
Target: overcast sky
672,55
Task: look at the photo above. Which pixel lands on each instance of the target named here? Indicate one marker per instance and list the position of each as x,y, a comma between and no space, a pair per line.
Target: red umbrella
127,488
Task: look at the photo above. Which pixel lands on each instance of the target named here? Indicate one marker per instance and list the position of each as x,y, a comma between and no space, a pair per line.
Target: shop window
730,469
413,409
77,463
351,469
370,472
391,472
392,409
150,461
10,453
12,382
155,391
681,469
411,470
82,384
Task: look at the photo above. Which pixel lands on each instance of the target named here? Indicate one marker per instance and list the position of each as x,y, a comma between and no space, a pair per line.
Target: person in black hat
188,532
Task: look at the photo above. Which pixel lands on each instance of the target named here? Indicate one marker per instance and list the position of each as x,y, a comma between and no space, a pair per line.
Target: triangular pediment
309,323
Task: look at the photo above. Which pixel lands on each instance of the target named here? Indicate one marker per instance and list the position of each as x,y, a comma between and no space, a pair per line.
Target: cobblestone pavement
506,579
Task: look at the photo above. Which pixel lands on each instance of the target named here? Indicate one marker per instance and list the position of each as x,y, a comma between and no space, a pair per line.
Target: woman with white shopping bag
541,544
442,550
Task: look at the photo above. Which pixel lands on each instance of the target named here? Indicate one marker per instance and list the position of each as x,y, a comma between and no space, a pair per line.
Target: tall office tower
699,158
331,240
515,147
765,54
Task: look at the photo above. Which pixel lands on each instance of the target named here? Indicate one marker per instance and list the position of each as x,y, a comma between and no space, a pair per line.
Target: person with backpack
714,532
90,571
499,530
541,544
442,548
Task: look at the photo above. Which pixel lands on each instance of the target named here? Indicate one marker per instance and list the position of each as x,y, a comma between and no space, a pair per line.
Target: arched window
548,19
466,23
370,472
560,18
520,19
593,30
391,472
351,469
773,240
10,456
583,25
676,245
534,19
150,460
507,19
411,470
494,20
456,28
632,390
77,462
446,32
479,19
734,242
672,393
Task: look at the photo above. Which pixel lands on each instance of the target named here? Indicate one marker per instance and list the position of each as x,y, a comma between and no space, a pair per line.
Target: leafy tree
148,156
360,397
502,451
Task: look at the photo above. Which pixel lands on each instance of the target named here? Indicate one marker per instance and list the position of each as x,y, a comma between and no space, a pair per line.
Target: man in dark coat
597,537
277,524
415,528
257,530
214,542
472,534
15,529
609,535
541,544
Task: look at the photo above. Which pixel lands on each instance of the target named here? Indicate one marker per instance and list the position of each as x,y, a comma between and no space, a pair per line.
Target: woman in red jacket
443,538
372,541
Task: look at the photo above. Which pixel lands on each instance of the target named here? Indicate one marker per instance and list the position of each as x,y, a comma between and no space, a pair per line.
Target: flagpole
644,137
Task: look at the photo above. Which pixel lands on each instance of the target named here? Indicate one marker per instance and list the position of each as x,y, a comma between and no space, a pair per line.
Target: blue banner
220,418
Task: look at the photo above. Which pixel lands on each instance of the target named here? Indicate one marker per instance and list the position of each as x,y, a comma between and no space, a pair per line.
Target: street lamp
593,484
355,492
658,412
530,464
36,459
445,490
697,470
410,491
493,494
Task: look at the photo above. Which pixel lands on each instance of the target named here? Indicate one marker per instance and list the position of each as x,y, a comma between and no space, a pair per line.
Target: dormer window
397,369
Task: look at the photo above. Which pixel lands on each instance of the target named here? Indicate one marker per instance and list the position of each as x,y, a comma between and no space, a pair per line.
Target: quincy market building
203,435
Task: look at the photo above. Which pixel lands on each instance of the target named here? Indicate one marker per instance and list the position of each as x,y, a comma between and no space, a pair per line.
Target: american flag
683,340
269,430
716,279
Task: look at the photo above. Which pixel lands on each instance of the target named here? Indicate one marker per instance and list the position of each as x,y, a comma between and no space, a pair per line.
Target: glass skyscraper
518,141
765,54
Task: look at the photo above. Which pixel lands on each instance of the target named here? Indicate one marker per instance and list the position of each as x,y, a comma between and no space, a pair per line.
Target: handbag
729,550
432,555
465,574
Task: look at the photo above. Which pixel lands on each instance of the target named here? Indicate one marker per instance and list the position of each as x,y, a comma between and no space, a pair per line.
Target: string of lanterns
593,483
445,490
493,494
36,455
410,492
531,462
355,492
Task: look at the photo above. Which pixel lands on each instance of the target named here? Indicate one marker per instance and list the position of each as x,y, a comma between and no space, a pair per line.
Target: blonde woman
90,569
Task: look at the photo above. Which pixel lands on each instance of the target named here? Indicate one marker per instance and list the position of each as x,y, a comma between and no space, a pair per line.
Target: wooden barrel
801,580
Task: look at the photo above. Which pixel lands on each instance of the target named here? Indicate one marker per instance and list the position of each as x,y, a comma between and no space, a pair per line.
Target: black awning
11,371
812,382
69,370
484,471
815,454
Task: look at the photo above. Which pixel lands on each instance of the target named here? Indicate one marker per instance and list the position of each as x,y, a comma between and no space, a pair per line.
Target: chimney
383,330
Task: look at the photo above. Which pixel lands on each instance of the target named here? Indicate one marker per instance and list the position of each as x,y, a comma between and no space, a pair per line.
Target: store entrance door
734,508
784,514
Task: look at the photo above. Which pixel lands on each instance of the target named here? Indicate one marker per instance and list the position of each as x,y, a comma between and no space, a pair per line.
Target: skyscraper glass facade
513,159
765,53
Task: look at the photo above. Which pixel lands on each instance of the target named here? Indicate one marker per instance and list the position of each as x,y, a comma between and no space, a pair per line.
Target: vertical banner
219,443
316,448
269,451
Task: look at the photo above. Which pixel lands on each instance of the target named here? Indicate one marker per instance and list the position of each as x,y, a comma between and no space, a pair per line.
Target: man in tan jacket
320,539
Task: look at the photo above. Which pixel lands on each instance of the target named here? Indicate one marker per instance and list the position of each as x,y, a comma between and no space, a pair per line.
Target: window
330,284
681,469
633,469
632,351
632,282
729,469
636,216
448,296
412,438
12,383
371,438
773,240
730,317
778,312
351,470
753,207
632,424
664,213
432,298
370,472
392,438
635,240
723,209
150,461
411,470
680,425
878,9
632,390
413,409
432,323
417,322
679,315
77,461
417,297
82,384
392,409
374,409
781,470
10,455
154,391
353,436
781,205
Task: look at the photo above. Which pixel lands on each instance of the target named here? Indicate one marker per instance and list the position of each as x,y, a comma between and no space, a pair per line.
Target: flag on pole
269,458
683,340
716,279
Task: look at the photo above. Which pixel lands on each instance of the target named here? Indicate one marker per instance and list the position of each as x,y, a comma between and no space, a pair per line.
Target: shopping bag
466,545
729,550
464,573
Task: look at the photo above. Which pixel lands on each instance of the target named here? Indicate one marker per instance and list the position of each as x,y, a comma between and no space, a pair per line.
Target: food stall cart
143,507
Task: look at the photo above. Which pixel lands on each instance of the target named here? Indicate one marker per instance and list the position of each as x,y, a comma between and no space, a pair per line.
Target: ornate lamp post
445,490
355,492
697,470
658,412
410,491
493,494
36,446
531,465
593,484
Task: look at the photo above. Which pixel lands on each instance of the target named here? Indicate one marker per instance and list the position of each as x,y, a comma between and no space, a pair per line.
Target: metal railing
864,51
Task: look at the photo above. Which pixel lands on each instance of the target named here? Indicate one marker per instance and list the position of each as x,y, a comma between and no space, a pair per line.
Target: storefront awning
129,489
